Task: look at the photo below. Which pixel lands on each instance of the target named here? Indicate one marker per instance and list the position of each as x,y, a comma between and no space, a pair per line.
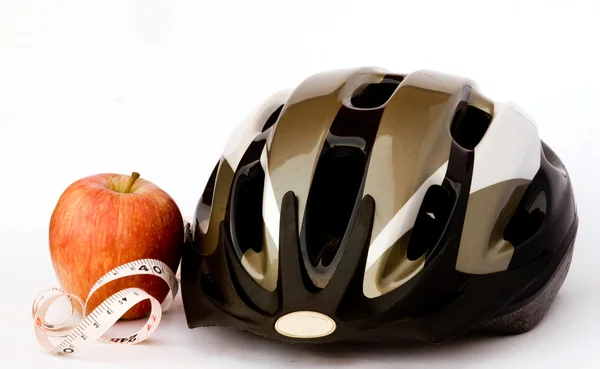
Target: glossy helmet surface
368,204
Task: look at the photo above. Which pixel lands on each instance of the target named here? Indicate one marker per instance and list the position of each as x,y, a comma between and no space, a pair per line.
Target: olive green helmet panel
206,230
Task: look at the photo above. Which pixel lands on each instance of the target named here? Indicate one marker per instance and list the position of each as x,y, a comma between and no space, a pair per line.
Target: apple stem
132,179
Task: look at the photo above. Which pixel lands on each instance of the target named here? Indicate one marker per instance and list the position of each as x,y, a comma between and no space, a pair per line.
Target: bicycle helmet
369,204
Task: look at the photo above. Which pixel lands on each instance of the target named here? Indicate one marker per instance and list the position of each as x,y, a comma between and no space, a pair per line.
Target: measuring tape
93,326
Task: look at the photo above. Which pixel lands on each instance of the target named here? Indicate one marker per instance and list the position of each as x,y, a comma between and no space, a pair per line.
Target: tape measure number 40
94,326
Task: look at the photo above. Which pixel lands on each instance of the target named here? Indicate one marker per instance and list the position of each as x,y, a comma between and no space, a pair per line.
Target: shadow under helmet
368,204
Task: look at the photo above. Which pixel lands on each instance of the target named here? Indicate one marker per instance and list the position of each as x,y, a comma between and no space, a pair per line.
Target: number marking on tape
94,326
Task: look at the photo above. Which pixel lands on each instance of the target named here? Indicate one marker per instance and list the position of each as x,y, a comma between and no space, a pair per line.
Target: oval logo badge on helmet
305,324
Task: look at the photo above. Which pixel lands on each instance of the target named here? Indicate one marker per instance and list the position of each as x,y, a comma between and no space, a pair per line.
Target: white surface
157,86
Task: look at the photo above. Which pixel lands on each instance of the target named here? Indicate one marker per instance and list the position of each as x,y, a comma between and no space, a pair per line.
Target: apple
105,220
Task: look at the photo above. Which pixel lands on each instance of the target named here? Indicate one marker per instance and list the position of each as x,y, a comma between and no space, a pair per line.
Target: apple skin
97,226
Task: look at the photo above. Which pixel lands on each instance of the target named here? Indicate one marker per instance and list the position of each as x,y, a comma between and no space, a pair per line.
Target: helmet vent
431,221
245,207
526,221
374,95
247,210
272,118
469,126
335,187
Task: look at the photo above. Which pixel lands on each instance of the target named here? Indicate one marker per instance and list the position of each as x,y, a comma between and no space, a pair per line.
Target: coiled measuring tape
94,326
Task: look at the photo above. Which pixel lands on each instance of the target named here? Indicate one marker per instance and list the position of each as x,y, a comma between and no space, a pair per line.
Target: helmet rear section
367,204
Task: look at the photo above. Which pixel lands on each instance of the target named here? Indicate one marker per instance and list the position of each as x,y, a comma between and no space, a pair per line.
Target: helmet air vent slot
272,118
431,221
335,187
469,126
247,208
374,95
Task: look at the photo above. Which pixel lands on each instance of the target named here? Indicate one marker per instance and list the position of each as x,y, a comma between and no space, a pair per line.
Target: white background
157,86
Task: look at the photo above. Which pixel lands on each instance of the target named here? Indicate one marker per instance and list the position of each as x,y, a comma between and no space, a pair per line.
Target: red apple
106,220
